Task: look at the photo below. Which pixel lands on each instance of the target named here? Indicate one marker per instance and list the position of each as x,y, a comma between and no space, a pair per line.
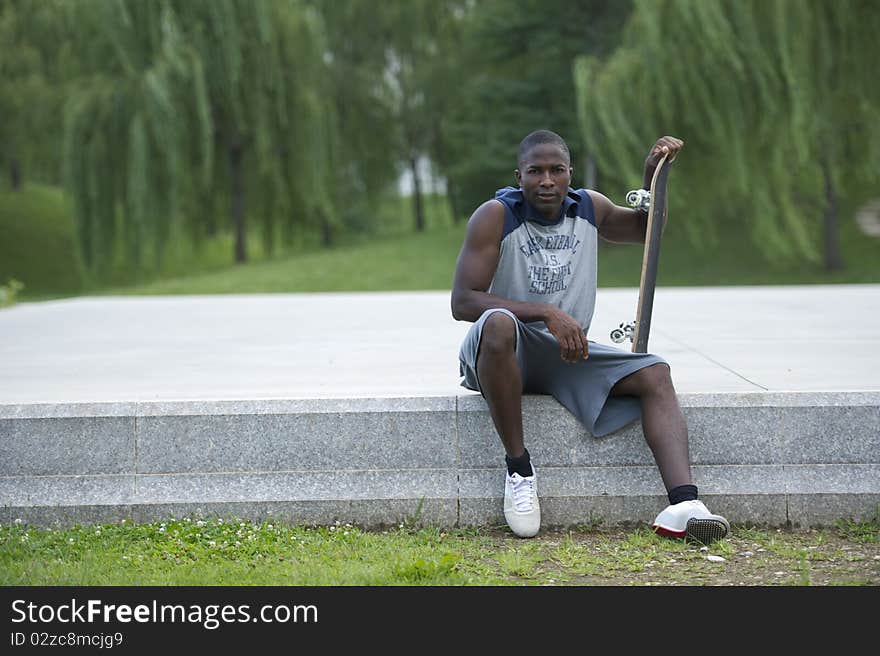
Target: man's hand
569,334
663,146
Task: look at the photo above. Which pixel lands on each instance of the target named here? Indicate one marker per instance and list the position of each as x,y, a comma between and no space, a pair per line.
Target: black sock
682,493
521,465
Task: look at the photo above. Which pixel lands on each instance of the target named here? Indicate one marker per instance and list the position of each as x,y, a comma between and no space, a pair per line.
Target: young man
526,277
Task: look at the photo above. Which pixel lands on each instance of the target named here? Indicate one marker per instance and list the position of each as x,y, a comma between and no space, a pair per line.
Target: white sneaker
521,509
691,519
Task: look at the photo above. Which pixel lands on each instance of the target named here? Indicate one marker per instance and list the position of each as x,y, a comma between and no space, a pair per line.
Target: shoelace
522,494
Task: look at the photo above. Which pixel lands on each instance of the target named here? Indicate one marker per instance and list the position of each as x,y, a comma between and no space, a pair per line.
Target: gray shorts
582,387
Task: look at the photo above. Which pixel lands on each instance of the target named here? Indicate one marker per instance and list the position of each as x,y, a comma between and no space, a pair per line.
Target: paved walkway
405,344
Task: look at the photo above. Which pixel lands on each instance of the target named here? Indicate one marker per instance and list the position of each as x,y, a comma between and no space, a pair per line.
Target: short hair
541,137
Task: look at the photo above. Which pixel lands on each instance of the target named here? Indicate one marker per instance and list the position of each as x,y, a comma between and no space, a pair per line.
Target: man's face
544,177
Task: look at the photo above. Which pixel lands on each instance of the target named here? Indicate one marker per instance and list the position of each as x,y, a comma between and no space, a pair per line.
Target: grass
216,551
37,243
426,261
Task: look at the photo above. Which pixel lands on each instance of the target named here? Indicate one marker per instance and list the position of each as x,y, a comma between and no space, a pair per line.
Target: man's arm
621,225
474,270
625,224
476,266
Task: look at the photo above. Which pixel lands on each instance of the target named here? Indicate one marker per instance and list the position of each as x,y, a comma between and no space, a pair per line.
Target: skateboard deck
639,330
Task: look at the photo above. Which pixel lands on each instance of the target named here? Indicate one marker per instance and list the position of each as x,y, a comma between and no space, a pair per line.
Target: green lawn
37,247
426,261
216,551
37,243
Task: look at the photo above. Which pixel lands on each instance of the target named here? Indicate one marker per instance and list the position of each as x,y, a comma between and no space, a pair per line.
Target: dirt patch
750,557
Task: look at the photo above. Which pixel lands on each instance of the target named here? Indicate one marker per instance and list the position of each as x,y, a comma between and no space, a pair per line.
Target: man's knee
655,378
652,379
498,336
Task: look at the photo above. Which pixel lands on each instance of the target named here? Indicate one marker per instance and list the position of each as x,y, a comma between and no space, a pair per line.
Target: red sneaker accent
669,533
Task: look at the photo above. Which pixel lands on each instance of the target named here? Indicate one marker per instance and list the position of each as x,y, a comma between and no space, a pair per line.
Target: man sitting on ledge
526,277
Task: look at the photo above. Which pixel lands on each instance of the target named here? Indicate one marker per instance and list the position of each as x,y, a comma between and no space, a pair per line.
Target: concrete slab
321,407
404,344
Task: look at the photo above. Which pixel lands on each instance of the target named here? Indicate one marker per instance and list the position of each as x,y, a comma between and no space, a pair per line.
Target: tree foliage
776,101
185,106
31,89
295,118
514,77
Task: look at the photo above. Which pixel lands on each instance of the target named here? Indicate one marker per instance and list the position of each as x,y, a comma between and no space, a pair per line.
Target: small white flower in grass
212,543
18,521
269,526
70,540
161,529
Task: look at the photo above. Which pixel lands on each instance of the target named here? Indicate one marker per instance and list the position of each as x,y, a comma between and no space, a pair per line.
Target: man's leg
501,383
501,380
665,430
663,422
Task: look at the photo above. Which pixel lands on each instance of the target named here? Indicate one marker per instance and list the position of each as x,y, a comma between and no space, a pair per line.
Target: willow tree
182,105
124,126
271,123
776,101
364,137
420,34
30,90
513,78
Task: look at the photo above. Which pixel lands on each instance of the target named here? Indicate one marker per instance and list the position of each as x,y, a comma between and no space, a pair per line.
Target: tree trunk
831,243
326,229
457,215
15,174
590,173
443,166
417,194
237,176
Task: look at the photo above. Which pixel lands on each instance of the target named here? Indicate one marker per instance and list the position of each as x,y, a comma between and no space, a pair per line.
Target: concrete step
762,458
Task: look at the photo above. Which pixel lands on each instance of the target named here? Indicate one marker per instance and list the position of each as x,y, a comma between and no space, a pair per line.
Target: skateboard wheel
617,335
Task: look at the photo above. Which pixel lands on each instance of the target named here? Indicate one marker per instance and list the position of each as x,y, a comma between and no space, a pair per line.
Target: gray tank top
549,261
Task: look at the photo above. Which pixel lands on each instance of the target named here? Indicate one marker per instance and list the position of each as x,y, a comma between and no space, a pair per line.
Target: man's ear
518,177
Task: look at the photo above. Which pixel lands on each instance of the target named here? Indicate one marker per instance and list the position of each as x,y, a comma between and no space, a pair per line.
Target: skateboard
638,330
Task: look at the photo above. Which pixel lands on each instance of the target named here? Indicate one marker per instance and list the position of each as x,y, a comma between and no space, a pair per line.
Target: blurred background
237,146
